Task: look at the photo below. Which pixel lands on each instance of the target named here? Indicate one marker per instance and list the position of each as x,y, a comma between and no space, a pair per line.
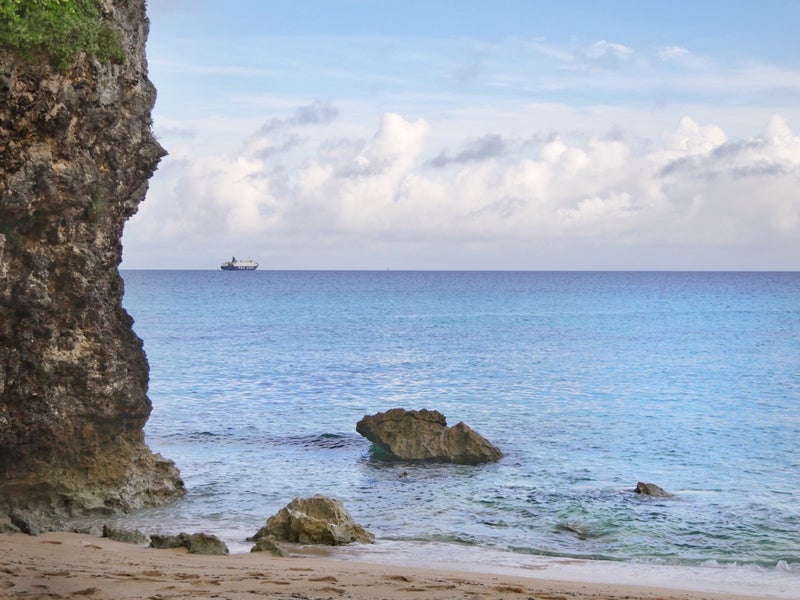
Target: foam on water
781,582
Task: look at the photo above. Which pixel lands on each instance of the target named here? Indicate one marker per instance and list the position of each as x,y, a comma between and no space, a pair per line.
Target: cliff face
76,152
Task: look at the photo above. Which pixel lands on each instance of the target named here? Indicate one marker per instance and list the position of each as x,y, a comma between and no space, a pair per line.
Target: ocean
588,382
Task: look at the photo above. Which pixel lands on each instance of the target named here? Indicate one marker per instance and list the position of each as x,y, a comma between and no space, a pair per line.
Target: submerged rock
314,520
423,435
651,489
580,530
195,543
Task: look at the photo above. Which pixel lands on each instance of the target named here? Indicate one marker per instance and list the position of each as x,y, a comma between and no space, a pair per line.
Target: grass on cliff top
58,30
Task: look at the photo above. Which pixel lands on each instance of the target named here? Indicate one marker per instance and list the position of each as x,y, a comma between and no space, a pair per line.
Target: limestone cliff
76,153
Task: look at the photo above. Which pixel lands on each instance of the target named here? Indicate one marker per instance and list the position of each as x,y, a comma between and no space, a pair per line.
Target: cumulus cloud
775,153
693,187
396,143
744,190
265,147
485,147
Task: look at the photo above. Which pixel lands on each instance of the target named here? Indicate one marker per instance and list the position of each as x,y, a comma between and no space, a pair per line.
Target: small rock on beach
314,520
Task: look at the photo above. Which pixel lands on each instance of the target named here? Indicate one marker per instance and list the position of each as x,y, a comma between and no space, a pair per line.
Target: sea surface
588,382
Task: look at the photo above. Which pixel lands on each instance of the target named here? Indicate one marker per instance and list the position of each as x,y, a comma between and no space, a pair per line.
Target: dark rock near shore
163,541
651,489
423,435
6,526
32,522
269,543
195,543
124,535
85,529
314,520
76,154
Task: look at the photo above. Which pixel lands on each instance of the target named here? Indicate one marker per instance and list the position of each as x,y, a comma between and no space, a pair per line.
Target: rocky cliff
76,153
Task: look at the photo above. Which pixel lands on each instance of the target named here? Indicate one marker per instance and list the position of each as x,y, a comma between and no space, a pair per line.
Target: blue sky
473,135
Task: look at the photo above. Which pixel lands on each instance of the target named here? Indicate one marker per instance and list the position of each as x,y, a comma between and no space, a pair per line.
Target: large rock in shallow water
314,520
424,435
651,489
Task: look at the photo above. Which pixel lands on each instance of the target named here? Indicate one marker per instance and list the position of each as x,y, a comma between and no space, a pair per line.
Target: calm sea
589,382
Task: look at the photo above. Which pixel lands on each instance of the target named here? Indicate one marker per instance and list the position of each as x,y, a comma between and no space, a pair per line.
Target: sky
473,135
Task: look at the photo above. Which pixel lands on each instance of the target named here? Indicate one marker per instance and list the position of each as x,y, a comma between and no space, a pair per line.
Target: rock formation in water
423,435
314,520
76,153
651,489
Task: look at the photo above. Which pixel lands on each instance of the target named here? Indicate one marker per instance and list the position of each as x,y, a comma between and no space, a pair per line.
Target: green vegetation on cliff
58,30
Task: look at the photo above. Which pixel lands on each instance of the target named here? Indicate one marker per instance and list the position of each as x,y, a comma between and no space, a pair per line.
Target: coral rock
423,435
651,489
195,543
314,520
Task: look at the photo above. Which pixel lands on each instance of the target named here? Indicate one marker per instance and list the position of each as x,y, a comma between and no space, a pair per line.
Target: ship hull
239,265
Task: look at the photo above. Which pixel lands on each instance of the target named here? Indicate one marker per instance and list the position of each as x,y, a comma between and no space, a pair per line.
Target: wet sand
69,565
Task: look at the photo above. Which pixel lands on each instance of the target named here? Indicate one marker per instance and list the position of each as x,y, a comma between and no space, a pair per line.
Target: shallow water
588,382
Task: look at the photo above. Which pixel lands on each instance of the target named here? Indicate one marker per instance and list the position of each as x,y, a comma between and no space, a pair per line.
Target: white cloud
396,143
598,215
608,55
673,53
695,187
488,151
779,132
691,139
604,49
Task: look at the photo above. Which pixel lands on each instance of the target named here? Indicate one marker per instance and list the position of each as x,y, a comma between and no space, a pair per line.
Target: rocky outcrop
269,544
314,520
125,536
195,543
423,435
651,489
6,526
32,522
76,152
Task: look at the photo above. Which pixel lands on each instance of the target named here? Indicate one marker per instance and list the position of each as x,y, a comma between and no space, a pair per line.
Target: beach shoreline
71,565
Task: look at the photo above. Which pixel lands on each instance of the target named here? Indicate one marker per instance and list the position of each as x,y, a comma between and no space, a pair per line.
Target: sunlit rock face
423,435
76,153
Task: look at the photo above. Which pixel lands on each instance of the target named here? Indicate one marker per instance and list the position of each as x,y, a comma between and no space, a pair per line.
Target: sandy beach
69,565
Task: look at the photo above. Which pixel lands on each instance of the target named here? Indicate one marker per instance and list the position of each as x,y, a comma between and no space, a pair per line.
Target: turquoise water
589,382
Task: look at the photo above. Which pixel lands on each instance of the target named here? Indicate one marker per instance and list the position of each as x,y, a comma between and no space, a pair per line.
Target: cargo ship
239,265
